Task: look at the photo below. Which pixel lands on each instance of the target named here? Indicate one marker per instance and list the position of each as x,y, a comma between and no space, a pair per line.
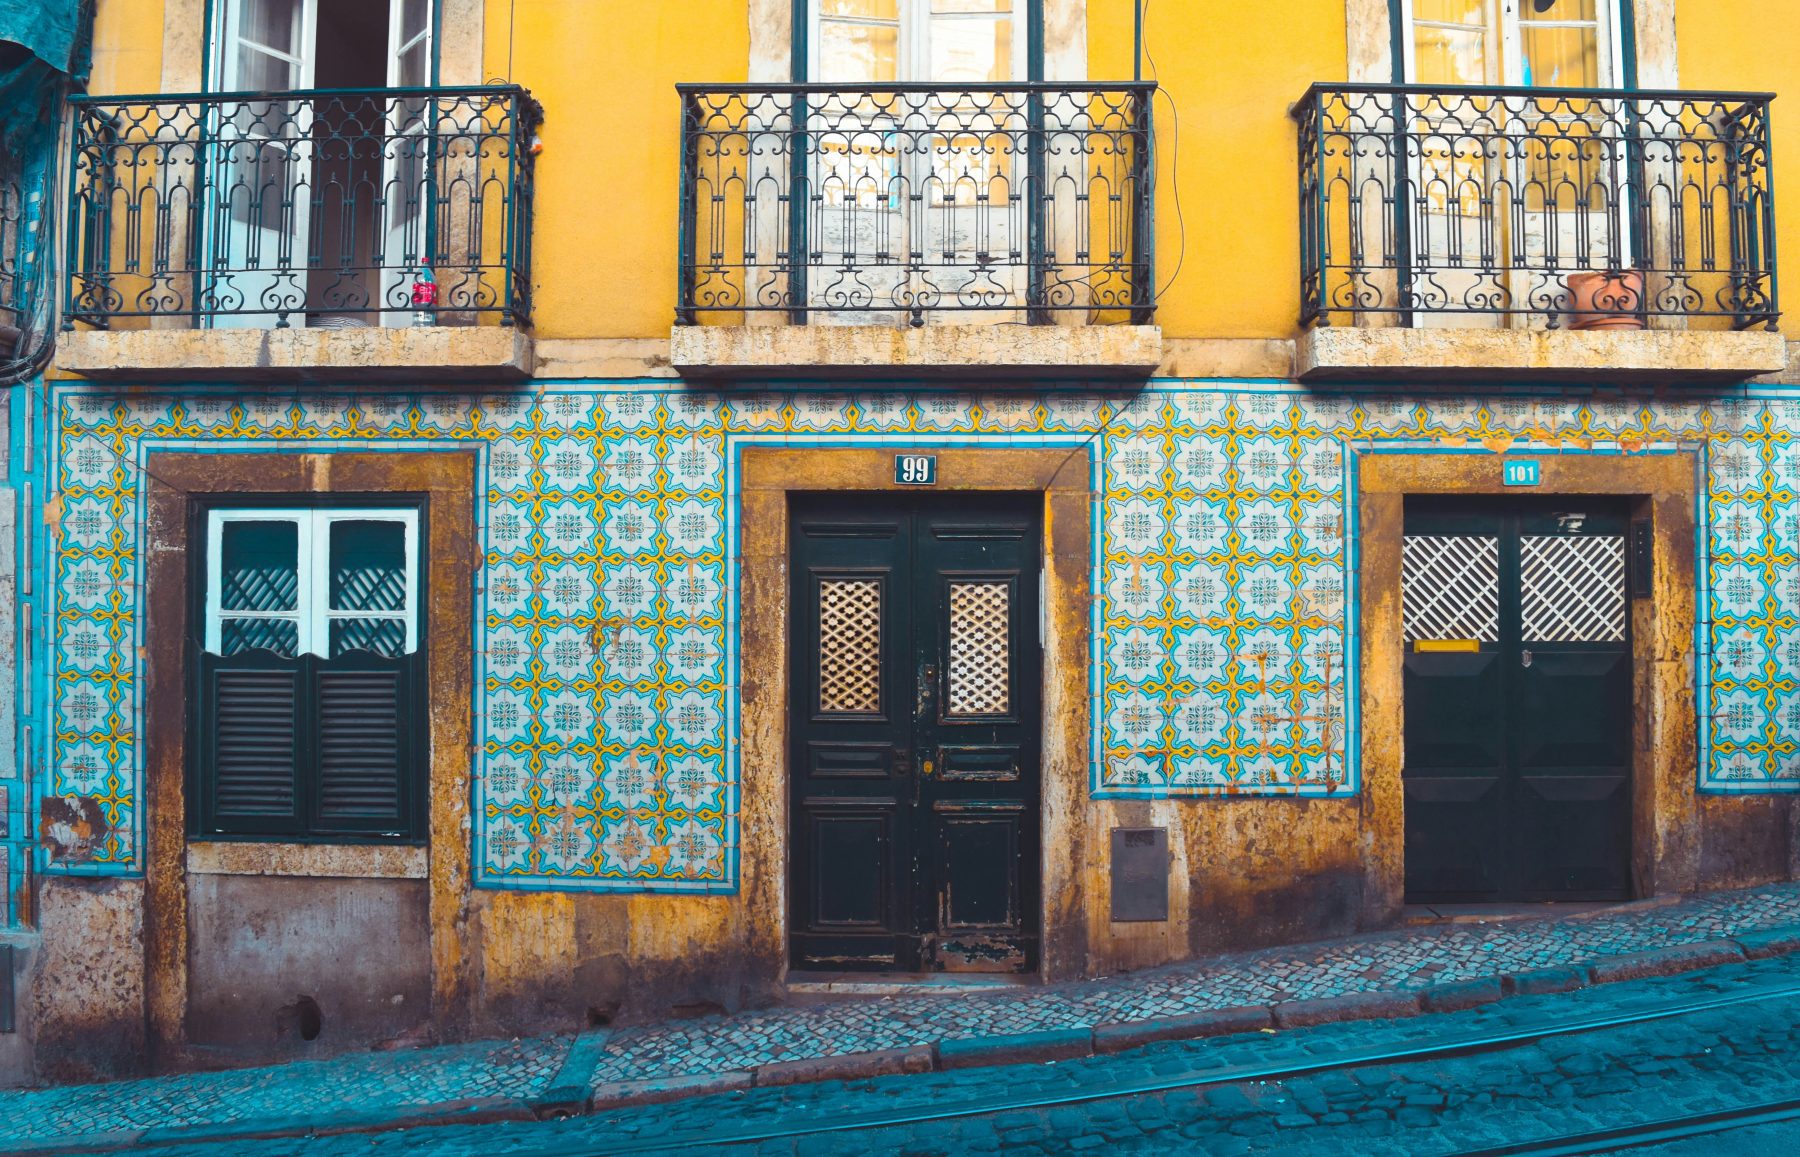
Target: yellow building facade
597,510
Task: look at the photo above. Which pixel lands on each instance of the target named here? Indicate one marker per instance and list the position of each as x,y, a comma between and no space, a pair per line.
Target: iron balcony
1549,206
319,207
888,203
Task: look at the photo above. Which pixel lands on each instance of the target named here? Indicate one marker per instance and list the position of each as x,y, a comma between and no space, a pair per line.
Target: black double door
914,732
1517,700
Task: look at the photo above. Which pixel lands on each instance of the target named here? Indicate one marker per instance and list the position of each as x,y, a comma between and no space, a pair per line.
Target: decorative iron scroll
1450,587
1572,588
321,207
980,648
892,202
1489,201
850,645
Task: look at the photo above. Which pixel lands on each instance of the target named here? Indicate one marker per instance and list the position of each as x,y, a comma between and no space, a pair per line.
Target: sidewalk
1430,967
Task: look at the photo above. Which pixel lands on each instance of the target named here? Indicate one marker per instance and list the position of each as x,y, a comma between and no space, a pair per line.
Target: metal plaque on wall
1140,874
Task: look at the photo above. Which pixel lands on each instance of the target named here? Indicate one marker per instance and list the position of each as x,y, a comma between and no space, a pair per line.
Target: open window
1513,193
307,696
324,200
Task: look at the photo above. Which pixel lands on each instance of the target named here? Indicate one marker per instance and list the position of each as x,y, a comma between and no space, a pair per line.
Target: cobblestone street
1372,984
1550,1082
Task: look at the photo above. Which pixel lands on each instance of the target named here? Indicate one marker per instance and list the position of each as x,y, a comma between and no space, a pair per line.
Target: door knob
927,684
1524,658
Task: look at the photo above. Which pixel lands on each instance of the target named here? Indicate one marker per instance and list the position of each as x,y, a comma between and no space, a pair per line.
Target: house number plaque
915,469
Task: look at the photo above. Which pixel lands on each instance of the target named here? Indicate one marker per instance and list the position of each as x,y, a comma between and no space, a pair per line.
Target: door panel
1517,685
915,721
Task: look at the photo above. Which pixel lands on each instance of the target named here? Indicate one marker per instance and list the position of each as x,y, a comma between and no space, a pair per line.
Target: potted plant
1606,299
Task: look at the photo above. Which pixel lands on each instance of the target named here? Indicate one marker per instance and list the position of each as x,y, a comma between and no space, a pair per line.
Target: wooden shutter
362,747
254,748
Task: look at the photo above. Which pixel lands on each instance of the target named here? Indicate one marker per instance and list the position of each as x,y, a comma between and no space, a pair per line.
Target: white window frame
1503,17
313,614
913,63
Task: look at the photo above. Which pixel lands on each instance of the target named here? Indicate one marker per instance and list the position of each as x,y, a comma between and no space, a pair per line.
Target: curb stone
568,1092
658,1089
1350,1006
1665,961
845,1066
1122,1035
1772,942
1544,981
1053,1044
1456,995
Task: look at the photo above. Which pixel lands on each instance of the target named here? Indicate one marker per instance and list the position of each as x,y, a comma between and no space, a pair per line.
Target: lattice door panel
1450,587
1572,588
980,659
850,646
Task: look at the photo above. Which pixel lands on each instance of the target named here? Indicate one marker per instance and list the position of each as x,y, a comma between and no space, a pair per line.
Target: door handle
902,762
1524,658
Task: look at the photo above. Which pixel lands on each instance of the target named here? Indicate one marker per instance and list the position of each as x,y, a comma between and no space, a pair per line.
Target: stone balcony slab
429,354
1447,356
931,352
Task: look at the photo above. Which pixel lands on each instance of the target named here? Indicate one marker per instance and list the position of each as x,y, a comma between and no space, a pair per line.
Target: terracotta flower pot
1606,300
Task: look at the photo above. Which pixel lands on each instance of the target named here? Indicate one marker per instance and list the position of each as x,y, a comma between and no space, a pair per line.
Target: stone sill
933,352
351,861
1452,355
440,353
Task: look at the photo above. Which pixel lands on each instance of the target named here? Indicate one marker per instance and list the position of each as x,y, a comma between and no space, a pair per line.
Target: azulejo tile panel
1223,654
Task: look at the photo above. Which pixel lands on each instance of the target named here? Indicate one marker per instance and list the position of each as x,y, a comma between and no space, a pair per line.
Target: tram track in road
1447,1046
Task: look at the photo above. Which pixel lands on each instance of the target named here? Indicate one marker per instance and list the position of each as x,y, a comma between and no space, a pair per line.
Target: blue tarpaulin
48,29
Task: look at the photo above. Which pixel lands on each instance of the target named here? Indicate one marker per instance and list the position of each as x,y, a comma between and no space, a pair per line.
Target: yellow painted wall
1742,46
605,71
1231,71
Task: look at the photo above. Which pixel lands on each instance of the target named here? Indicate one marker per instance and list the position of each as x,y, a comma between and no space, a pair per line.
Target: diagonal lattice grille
376,636
1451,587
1572,589
281,636
980,651
850,645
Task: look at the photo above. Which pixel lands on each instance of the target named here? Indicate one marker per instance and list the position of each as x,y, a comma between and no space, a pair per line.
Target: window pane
368,566
1449,56
1561,57
941,7
282,636
259,566
272,23
414,16
971,51
1451,11
858,53
376,636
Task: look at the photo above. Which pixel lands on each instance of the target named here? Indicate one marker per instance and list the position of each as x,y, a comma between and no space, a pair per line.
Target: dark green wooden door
914,732
1517,699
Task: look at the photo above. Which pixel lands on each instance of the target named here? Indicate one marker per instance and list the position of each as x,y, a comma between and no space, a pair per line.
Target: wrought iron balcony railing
885,204
1478,201
324,207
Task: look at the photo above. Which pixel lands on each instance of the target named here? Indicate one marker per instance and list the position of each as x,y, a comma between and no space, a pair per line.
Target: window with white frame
309,670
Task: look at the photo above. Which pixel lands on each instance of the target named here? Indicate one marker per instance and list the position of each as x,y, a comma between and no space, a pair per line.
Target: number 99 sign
915,469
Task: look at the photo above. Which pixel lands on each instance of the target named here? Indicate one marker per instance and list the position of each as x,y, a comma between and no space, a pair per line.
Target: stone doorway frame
173,480
1062,475
1663,486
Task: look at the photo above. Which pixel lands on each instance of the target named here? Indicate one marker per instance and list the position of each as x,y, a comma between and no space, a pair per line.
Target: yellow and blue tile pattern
1223,654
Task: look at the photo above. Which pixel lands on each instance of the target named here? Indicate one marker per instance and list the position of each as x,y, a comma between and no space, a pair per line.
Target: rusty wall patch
72,827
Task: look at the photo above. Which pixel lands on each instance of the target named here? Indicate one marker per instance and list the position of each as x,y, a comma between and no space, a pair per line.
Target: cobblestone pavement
523,1072
1392,961
1605,1077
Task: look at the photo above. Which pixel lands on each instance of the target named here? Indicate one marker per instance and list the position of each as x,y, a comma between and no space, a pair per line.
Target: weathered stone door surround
1663,488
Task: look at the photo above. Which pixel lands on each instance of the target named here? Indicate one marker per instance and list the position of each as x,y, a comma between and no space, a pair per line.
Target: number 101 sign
915,469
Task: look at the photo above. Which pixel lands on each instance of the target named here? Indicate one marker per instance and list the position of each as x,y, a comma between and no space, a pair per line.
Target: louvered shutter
253,718
361,746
